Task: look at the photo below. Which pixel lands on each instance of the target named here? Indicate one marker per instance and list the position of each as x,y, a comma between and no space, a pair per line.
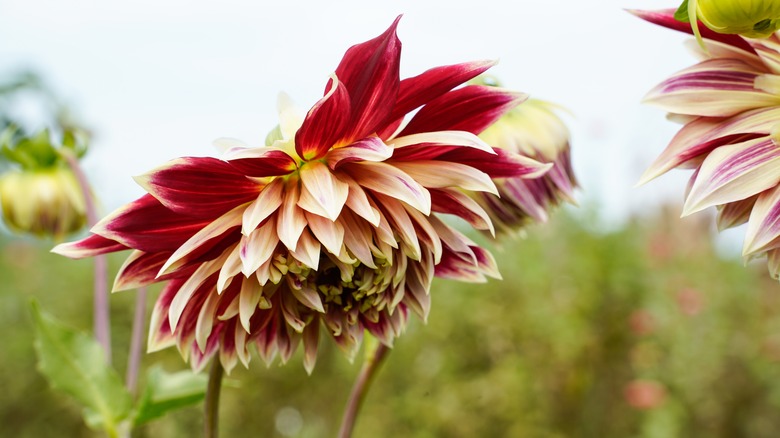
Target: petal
665,17
90,246
370,72
258,247
500,164
249,298
311,338
328,232
308,251
292,219
207,237
430,145
145,224
260,162
763,228
368,149
160,333
735,213
358,202
267,202
472,108
702,135
421,89
358,239
442,174
322,193
455,202
140,269
325,124
400,222
389,180
734,172
199,187
713,88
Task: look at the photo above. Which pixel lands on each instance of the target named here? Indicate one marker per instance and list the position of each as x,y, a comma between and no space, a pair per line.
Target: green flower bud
750,18
42,202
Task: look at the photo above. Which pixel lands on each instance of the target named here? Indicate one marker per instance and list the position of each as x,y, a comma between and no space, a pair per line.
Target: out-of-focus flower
532,129
749,18
690,301
730,106
42,195
644,394
333,224
642,322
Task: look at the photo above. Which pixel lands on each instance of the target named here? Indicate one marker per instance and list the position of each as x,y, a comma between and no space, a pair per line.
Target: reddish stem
360,389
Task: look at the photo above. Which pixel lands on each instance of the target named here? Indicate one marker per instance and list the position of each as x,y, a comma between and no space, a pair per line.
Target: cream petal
267,202
322,193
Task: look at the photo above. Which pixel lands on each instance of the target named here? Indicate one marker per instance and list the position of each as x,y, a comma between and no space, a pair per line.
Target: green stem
211,420
361,387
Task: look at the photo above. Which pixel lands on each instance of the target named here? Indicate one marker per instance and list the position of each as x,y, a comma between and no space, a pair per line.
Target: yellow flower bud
44,201
750,18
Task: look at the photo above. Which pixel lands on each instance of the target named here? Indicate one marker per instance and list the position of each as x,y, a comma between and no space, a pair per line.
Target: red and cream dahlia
730,105
334,224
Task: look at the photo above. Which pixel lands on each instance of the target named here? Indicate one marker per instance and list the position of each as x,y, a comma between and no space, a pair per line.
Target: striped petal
702,135
735,213
472,108
431,145
322,192
500,164
455,202
325,124
714,88
370,71
291,220
734,172
763,230
267,202
139,269
258,247
442,174
199,187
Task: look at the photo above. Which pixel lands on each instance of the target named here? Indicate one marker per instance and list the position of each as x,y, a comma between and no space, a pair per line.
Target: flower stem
100,301
136,341
211,420
361,387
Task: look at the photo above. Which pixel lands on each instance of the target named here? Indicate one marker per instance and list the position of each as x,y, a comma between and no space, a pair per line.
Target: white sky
162,79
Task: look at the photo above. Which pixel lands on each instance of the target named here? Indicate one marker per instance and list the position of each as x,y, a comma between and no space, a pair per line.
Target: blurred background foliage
641,331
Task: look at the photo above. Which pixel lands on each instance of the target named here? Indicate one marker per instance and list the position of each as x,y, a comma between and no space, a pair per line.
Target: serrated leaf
166,392
74,363
681,14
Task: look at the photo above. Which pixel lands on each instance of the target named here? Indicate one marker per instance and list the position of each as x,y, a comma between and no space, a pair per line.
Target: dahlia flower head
532,129
729,104
334,224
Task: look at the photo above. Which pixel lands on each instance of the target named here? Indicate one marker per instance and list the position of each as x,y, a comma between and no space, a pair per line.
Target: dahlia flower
730,105
334,224
534,130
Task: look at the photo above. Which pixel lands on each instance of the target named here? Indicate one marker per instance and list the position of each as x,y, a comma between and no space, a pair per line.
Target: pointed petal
90,246
442,174
160,333
472,108
368,149
402,225
306,295
267,202
455,202
370,71
260,162
311,339
500,164
735,213
140,269
431,145
734,172
308,251
330,233
358,202
291,219
763,230
207,237
389,180
323,193
249,297
325,124
258,247
702,135
713,88
199,187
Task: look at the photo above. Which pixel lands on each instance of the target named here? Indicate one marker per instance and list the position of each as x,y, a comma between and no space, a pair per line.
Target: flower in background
40,195
532,129
333,224
730,107
749,18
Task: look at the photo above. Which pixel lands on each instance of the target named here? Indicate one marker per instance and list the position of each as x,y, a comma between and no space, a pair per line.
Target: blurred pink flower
644,394
334,223
641,322
729,104
690,301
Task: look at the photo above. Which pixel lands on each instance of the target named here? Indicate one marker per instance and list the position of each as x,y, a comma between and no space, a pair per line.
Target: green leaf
75,364
166,392
681,14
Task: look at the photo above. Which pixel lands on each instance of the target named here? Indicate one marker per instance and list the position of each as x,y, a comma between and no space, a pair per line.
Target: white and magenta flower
730,105
532,129
334,224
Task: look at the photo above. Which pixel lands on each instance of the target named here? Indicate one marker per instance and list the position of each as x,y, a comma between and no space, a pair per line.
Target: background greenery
638,332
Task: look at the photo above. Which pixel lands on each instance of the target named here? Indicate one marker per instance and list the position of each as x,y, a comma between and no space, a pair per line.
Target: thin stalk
136,341
100,301
211,417
360,389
